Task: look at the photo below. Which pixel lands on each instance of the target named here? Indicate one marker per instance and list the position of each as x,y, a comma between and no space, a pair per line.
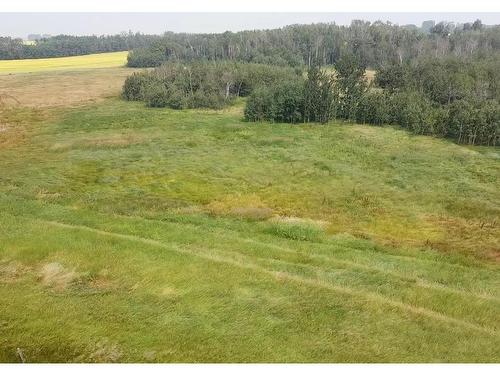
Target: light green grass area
98,60
135,234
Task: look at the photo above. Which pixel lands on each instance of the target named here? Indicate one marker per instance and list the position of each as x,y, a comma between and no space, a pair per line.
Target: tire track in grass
360,266
420,282
236,236
286,276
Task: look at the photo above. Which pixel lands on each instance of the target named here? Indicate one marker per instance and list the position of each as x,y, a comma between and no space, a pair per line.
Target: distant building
35,37
428,25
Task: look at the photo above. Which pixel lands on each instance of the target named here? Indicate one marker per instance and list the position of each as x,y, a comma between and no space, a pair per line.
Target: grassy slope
128,234
98,60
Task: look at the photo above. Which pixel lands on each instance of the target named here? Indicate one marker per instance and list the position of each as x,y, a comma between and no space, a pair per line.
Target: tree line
68,45
374,44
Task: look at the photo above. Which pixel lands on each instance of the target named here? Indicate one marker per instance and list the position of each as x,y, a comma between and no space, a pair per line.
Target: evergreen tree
350,85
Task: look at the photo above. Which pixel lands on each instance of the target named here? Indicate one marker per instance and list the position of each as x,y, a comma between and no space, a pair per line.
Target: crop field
131,234
98,60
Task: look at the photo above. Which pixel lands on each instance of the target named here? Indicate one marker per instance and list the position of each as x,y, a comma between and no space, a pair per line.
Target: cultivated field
100,60
136,234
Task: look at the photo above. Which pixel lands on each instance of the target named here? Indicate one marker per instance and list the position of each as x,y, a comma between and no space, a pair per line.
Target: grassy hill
135,234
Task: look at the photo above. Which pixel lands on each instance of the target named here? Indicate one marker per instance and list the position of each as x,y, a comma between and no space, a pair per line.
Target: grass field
61,88
135,234
98,60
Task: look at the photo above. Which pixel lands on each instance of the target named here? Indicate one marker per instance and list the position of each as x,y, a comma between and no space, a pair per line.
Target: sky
21,24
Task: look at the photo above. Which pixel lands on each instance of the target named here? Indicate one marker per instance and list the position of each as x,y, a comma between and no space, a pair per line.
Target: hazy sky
22,24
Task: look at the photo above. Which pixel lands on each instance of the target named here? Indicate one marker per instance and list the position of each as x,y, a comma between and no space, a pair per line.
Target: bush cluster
283,102
447,98
202,84
298,100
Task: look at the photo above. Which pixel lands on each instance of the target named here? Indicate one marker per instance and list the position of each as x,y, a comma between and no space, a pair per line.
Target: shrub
475,122
288,102
156,95
248,77
391,77
439,121
281,103
411,110
259,105
296,231
143,57
373,109
319,101
133,88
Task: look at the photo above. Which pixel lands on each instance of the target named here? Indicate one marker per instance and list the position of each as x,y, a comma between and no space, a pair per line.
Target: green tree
318,96
350,85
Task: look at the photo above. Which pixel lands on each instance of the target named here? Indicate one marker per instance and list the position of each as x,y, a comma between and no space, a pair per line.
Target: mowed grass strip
98,60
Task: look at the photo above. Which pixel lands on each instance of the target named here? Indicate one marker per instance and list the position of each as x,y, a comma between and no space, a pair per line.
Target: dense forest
67,45
375,44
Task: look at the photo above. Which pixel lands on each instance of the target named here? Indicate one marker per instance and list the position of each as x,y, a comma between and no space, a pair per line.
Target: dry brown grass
105,352
252,213
170,293
60,89
11,271
57,277
28,99
466,233
299,220
249,207
17,124
370,75
101,141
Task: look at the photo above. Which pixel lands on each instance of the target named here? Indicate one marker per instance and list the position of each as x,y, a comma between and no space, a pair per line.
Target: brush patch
169,293
246,207
57,277
105,351
12,271
296,228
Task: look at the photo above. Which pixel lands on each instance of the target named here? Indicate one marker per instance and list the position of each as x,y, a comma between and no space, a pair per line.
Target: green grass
98,60
135,234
